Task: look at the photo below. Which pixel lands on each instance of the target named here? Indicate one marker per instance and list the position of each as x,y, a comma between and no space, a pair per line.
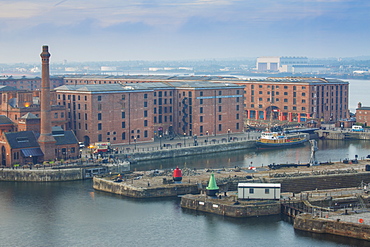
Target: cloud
149,28
17,9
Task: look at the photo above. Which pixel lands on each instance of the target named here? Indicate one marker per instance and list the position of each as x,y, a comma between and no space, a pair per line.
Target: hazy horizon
158,30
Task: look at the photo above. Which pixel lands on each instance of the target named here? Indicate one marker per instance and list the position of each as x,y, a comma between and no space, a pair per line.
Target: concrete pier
146,152
42,175
340,225
294,180
229,206
338,134
131,190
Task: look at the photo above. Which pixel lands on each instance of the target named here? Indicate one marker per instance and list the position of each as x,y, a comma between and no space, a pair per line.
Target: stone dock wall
169,190
186,151
320,182
306,222
295,184
238,211
42,175
342,135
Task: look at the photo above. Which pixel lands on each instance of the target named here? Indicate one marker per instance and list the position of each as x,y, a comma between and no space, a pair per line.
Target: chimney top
45,51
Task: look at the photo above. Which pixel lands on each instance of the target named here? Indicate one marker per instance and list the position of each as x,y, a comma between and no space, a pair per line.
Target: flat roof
120,87
258,185
310,80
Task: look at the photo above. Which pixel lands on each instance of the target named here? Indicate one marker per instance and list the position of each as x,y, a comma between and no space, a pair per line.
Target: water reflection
329,150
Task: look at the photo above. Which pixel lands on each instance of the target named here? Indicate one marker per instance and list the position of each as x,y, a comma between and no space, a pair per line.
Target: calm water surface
73,214
333,150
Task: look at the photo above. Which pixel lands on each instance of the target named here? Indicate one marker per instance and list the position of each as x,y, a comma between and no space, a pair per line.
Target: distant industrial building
287,65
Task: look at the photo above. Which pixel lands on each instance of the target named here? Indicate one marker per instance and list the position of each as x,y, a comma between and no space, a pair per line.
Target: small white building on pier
259,191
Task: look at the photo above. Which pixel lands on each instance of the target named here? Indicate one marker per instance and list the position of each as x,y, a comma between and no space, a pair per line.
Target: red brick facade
296,99
120,115
15,104
28,83
128,113
363,114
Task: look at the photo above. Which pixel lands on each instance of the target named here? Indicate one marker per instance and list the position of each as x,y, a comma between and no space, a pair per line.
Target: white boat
270,139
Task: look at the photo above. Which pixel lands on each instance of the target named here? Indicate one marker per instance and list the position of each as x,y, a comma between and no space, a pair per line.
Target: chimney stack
46,139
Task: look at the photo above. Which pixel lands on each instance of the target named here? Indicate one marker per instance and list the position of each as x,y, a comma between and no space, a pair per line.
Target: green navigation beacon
212,187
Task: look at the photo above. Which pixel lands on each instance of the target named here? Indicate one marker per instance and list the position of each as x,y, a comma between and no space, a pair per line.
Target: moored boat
271,139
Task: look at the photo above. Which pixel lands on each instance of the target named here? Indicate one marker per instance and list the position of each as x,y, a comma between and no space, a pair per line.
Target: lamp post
228,135
184,139
160,141
207,136
135,142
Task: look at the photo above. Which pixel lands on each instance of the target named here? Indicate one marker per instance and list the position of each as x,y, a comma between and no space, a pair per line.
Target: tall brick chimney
46,139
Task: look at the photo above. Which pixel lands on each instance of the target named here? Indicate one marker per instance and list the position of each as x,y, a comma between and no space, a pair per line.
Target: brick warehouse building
207,108
138,112
15,104
362,114
288,98
29,83
26,138
295,99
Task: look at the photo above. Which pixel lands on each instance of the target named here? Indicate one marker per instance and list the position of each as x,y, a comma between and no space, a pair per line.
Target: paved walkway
362,218
188,141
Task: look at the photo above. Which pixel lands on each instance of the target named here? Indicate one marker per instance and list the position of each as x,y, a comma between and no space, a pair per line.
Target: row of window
164,93
251,191
294,108
201,118
277,87
278,93
277,100
56,115
144,95
123,137
237,99
190,94
219,127
16,155
123,125
162,119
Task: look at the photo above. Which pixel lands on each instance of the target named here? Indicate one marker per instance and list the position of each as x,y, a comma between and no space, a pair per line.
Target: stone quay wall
41,175
238,211
290,184
178,152
320,182
169,190
341,135
306,222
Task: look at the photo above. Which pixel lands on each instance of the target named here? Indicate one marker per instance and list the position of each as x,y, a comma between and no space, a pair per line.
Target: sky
124,30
